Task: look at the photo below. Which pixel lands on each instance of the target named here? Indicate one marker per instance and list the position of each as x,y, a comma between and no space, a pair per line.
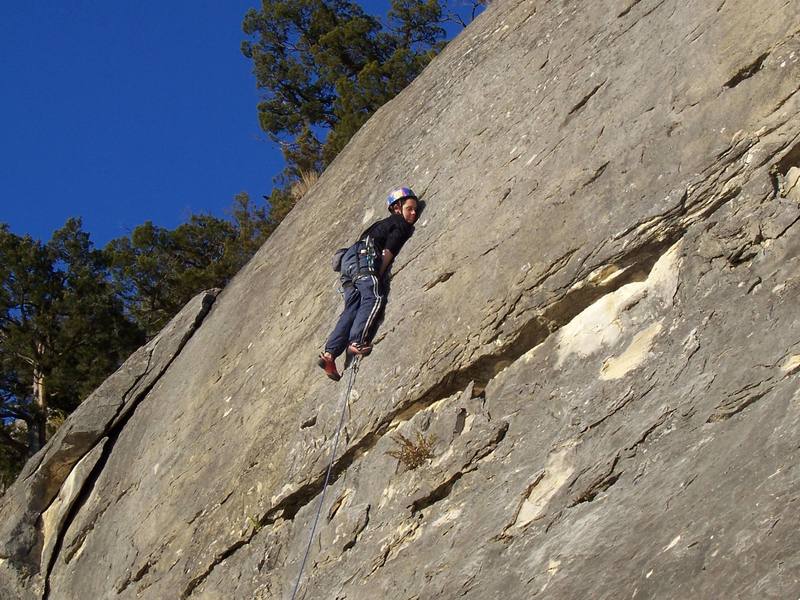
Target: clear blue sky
120,111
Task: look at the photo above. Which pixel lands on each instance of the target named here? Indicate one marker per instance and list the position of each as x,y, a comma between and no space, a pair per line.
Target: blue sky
120,112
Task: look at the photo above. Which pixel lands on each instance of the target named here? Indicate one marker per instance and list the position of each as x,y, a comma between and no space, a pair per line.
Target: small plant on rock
412,453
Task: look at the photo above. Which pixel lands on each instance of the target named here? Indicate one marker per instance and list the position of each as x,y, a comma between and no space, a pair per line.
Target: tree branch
27,359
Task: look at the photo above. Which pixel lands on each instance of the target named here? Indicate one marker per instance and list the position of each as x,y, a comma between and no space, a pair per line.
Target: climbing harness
359,260
353,371
362,255
366,258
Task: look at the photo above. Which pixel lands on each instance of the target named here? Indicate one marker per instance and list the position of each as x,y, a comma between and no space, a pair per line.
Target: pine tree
326,66
62,331
157,271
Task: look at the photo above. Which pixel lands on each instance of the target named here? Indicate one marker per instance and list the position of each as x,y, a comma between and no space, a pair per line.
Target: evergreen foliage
156,271
71,314
326,66
62,331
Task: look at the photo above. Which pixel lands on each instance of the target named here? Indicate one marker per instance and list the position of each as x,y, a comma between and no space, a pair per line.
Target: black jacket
389,234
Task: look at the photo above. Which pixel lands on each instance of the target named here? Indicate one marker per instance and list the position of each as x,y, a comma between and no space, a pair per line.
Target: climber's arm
387,259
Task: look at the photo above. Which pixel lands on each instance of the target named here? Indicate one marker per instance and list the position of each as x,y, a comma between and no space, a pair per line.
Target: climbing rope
353,371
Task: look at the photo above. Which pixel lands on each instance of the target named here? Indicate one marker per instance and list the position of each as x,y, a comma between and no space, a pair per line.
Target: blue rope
353,371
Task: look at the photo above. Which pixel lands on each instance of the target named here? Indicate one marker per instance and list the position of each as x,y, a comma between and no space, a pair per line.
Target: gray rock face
34,511
595,329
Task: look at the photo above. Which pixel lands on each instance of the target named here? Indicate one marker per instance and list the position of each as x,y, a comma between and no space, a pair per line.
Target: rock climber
365,273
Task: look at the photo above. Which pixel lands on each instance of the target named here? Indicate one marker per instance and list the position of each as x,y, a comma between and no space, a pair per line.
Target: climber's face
409,210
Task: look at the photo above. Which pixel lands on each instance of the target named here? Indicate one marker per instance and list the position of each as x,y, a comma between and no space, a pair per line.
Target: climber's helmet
399,195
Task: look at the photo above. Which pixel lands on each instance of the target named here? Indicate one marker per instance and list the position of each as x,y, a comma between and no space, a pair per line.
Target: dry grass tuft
410,453
300,187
